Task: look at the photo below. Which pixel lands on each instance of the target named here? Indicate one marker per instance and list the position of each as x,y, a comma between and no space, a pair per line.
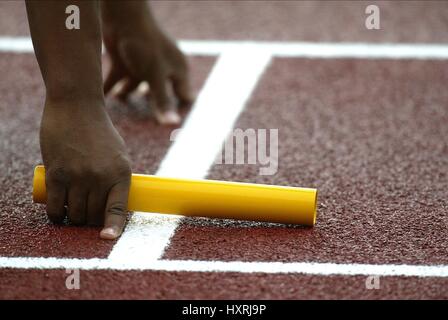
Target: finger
95,208
127,87
157,83
160,99
56,197
116,211
77,199
111,80
182,89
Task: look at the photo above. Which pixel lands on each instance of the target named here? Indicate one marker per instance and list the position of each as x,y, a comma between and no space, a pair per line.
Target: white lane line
320,50
223,97
323,50
228,87
144,239
310,268
16,44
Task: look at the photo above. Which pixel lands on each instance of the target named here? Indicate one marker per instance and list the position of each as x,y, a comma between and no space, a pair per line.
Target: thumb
116,211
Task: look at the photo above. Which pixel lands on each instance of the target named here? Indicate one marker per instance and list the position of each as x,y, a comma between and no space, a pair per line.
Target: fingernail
117,88
109,233
169,117
143,88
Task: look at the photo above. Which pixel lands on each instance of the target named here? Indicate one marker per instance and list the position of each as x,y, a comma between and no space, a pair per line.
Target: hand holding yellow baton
212,199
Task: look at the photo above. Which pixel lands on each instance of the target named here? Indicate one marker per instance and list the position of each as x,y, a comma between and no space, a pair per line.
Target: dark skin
141,52
88,169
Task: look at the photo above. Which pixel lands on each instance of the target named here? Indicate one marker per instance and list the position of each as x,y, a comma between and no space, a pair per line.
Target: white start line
320,50
221,100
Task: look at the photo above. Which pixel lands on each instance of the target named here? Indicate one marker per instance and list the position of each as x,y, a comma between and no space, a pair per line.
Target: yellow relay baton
212,199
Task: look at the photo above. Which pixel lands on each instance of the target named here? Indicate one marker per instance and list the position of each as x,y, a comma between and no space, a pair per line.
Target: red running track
371,135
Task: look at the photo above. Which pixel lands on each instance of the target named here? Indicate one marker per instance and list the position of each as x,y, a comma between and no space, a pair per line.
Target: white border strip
286,49
310,268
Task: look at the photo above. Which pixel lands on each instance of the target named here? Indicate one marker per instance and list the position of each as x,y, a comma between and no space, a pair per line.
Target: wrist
64,98
74,92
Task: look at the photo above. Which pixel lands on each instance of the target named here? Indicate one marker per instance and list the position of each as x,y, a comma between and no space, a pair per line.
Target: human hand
145,54
87,167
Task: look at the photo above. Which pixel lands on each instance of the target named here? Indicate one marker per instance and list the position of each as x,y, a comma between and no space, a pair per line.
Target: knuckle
118,209
122,167
124,170
88,173
119,170
57,175
97,173
77,172
179,61
182,65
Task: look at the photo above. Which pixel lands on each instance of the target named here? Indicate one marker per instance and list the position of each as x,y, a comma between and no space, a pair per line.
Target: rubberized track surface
370,134
384,160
